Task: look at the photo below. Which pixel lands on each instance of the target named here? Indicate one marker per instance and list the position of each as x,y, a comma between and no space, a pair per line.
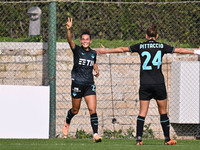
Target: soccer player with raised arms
83,80
152,83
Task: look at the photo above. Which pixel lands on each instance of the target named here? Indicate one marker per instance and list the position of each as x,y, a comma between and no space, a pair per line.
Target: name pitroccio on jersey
151,45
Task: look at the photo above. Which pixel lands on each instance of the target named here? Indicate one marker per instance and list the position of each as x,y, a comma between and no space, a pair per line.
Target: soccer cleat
139,143
65,129
97,139
171,142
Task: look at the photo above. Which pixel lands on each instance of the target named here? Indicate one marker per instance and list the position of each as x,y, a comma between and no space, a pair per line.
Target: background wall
117,85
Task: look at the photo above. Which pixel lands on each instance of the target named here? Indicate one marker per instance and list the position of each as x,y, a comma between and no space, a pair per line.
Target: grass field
87,144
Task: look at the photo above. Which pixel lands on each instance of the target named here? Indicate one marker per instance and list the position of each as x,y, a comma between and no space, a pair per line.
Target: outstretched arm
103,50
183,51
69,35
187,51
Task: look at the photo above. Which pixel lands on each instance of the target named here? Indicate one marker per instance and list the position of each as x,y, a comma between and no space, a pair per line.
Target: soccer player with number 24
152,83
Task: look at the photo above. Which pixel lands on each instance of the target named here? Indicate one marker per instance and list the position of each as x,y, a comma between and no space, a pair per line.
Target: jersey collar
151,41
85,50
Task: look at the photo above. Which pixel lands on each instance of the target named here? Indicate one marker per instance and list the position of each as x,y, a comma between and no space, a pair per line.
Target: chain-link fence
177,22
117,86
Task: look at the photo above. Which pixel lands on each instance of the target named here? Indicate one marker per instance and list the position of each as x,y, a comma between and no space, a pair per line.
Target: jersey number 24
156,60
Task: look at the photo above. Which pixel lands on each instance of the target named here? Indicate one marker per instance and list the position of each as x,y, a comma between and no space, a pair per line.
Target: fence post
198,126
52,66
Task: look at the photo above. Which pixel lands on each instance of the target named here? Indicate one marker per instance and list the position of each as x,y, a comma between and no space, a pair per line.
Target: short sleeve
75,50
168,49
134,48
95,54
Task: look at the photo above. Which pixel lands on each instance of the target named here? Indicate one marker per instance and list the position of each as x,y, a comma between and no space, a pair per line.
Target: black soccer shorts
79,91
149,91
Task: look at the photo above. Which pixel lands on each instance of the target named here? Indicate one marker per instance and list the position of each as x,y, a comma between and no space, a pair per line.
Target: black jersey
151,53
82,72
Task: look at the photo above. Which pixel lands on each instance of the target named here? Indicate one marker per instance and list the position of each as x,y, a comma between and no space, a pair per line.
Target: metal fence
117,86
177,22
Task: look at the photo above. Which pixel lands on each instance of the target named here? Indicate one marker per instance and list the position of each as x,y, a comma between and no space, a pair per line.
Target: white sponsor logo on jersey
86,62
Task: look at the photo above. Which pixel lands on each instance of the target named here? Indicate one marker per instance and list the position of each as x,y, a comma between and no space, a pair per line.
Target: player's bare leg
164,120
144,106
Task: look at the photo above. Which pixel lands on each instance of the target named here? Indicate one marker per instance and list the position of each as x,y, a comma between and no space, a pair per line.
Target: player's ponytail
154,26
152,31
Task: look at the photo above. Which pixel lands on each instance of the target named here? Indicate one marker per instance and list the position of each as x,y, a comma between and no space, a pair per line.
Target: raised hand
69,23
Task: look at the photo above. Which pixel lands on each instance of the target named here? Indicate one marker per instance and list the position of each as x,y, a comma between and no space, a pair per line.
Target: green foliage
108,134
15,19
37,38
109,21
96,43
129,133
148,132
9,39
81,134
118,134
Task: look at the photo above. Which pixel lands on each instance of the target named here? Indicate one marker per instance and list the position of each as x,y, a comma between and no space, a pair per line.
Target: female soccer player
152,83
82,80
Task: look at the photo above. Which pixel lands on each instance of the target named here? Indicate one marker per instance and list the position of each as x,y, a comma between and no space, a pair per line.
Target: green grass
87,144
9,39
96,43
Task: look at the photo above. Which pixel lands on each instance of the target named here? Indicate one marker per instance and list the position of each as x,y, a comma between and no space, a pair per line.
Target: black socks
164,120
93,119
70,115
140,126
94,122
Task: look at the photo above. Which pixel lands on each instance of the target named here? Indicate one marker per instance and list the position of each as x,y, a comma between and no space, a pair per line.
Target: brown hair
85,31
151,31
